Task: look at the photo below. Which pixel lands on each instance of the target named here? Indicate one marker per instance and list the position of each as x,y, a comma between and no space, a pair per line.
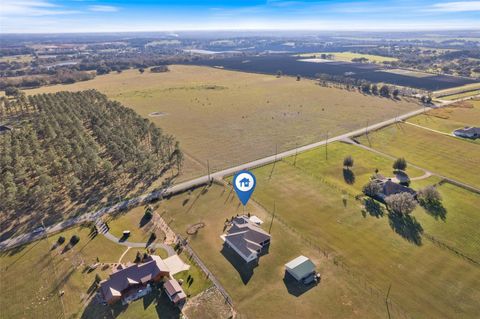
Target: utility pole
208,171
368,137
296,153
273,216
326,148
274,162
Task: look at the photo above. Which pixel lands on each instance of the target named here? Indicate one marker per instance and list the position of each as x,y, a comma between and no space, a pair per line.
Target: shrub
74,240
429,195
400,164
402,203
348,161
372,189
61,240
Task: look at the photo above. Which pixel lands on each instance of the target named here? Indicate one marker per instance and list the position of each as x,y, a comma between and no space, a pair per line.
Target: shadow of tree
348,176
373,208
435,209
407,227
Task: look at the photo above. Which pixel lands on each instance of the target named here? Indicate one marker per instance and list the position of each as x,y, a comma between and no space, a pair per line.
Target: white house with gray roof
246,238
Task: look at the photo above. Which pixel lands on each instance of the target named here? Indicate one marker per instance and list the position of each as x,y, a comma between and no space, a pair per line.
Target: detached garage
302,269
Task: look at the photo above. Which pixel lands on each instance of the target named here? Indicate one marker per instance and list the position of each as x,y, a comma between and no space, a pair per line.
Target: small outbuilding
175,292
302,269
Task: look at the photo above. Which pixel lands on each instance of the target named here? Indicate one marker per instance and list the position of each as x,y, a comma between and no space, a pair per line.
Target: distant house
391,188
133,281
246,238
302,269
175,292
468,132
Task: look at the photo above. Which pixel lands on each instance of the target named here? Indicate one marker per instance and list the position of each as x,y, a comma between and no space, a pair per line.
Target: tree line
65,144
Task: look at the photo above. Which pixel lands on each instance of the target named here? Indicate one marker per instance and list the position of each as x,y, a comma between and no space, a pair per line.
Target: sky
58,16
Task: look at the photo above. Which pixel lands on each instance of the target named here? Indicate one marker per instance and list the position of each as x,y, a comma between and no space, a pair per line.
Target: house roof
132,275
174,290
391,188
246,236
469,130
300,266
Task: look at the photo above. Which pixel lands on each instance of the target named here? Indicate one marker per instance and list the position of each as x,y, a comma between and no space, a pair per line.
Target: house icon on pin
245,182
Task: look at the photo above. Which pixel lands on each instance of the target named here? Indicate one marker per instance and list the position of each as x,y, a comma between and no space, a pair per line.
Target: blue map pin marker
244,184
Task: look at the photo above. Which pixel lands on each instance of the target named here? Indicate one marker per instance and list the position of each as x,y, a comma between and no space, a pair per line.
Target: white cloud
102,8
31,8
458,6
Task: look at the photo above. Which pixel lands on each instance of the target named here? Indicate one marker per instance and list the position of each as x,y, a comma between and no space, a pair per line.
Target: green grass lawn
33,276
460,95
199,282
261,292
134,221
457,226
332,172
445,155
450,118
444,285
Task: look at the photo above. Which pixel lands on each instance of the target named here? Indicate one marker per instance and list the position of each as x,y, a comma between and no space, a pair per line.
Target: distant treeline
362,85
68,147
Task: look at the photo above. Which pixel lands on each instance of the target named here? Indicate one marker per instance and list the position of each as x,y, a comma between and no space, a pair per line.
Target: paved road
93,216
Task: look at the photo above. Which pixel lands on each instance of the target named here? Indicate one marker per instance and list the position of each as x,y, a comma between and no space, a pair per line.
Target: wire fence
193,256
394,309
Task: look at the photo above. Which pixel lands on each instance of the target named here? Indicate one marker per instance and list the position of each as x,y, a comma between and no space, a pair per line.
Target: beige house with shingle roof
247,239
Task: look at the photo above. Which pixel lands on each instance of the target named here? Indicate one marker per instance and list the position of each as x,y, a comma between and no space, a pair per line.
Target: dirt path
123,255
429,129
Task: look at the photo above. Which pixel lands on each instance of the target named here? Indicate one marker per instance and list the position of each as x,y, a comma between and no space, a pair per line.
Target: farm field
444,155
261,292
452,117
374,245
348,56
292,65
217,114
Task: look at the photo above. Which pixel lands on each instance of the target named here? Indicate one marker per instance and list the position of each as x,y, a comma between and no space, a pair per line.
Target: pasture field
452,117
348,56
380,247
457,225
460,95
261,292
445,155
217,115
